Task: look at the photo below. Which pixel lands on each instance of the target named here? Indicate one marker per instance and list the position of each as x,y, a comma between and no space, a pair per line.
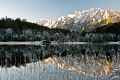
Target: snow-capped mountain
47,23
86,20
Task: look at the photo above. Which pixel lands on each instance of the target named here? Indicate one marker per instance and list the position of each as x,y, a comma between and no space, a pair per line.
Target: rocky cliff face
86,20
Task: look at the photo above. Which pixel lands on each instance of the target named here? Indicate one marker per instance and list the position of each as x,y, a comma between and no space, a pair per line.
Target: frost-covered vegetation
21,30
20,55
36,35
63,62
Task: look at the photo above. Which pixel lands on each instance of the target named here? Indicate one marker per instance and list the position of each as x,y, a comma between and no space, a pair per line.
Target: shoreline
52,43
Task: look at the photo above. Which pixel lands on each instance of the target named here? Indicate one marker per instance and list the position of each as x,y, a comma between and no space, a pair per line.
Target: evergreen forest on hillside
21,30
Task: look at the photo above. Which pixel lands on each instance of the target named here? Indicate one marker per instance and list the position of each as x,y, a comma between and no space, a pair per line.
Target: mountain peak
77,12
45,22
88,19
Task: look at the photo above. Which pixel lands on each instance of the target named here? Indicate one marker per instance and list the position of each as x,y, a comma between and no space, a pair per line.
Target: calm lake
60,62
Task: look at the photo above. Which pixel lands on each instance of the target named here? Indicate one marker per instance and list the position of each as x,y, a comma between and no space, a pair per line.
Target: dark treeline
22,24
21,30
110,28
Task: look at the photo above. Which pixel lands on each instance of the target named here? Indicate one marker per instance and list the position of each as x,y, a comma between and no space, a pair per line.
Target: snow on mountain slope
87,20
47,23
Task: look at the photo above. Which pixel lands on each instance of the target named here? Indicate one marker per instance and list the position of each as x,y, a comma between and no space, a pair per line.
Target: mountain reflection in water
59,62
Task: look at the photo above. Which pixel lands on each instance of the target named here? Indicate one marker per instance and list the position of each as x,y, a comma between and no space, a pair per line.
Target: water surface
59,62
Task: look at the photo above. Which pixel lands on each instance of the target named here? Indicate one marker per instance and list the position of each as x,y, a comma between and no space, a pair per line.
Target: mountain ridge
110,28
87,20
47,23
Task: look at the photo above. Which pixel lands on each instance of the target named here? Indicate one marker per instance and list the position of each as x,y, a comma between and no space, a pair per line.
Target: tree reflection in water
63,62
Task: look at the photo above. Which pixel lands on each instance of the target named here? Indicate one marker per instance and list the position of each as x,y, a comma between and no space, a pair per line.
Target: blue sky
33,10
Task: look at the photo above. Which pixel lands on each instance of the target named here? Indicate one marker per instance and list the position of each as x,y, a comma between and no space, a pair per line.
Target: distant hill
21,30
110,28
22,24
